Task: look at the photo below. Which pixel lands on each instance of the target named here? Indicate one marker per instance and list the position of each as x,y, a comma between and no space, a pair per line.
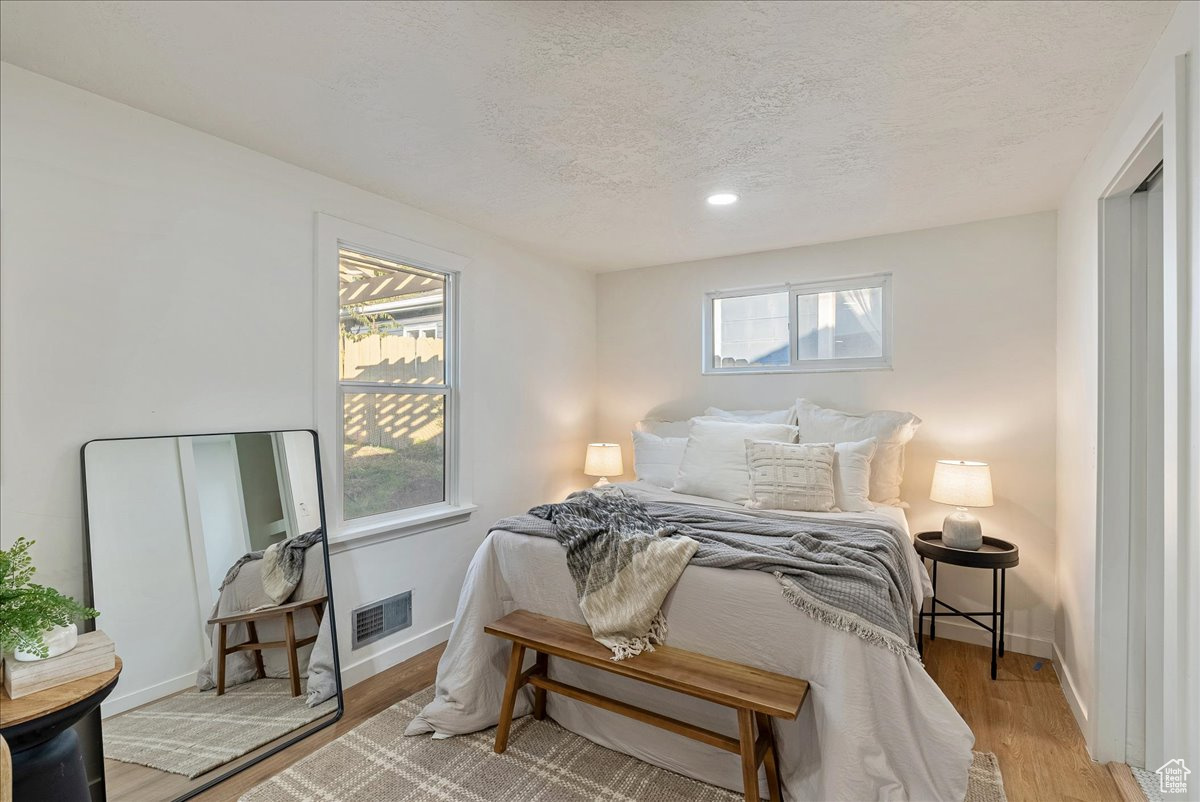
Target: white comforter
874,727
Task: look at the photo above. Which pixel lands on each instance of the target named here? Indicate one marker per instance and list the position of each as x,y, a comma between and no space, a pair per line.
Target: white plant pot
58,640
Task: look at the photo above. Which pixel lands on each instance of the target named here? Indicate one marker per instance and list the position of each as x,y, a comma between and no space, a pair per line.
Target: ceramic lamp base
602,481
961,530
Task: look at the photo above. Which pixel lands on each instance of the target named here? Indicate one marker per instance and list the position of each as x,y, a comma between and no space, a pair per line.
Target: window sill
357,535
832,368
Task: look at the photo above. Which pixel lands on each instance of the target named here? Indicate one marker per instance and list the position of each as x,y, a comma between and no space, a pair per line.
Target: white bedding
875,725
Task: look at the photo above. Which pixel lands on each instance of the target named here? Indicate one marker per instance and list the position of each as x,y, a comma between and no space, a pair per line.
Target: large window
816,326
389,413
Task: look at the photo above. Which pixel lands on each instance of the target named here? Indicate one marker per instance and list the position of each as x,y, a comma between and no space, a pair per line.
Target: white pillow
752,415
790,476
663,428
714,462
852,475
656,459
891,430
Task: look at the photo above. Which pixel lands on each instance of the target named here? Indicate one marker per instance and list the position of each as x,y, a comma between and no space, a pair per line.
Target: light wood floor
1022,717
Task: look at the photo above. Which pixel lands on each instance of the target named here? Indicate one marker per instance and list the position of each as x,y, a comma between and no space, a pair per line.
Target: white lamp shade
603,459
962,483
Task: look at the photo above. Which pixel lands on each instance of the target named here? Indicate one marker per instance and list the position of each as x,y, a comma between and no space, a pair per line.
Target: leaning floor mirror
210,569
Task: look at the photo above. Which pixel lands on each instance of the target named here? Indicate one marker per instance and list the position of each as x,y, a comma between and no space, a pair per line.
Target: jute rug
543,763
194,732
1151,786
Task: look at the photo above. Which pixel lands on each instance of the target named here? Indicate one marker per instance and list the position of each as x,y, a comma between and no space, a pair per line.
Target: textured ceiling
591,132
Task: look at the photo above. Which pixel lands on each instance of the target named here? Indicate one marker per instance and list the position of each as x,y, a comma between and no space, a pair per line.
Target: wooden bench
756,695
290,642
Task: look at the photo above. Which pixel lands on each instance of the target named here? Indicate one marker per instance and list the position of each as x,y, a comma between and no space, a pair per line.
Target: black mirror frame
329,611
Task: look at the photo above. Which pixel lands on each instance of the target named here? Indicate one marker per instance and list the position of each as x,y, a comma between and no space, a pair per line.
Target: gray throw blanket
282,567
849,577
623,562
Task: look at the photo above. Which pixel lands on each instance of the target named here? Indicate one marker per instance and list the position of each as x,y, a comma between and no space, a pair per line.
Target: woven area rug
543,763
194,732
1149,783
984,783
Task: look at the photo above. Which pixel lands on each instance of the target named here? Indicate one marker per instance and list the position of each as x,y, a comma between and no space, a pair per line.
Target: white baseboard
127,701
1078,708
1013,642
366,667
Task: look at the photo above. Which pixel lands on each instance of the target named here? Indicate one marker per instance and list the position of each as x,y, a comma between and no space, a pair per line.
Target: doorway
1130,527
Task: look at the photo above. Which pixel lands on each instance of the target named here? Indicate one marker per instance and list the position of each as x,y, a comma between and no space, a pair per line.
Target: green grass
377,479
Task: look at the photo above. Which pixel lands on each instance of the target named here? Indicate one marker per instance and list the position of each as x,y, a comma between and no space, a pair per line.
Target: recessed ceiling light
722,199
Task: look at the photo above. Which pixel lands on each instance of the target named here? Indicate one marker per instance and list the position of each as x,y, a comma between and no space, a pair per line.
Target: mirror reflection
208,561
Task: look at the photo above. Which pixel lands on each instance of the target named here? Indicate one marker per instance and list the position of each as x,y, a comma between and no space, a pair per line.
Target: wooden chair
756,695
290,643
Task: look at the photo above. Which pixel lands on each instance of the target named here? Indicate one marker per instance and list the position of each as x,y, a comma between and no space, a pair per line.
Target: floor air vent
382,618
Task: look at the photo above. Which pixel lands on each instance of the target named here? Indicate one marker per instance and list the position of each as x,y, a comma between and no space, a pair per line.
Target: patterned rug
543,763
194,732
1148,781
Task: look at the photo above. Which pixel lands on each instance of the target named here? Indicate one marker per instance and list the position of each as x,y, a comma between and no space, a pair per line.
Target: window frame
794,290
333,235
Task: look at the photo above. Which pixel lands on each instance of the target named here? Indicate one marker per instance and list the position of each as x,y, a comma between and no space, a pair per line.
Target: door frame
1120,438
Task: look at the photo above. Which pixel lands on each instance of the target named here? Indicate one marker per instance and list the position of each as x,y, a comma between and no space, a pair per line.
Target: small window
394,384
816,326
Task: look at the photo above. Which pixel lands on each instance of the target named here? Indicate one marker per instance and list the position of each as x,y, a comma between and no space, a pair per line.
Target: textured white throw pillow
891,430
852,475
752,415
714,462
656,459
790,476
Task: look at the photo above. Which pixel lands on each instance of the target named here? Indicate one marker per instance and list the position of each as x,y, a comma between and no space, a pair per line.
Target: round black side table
996,554
46,761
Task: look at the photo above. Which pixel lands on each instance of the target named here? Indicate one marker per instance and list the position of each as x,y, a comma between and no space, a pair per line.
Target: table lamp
603,460
963,484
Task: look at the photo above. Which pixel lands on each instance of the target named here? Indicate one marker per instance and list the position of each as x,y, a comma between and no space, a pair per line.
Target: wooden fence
386,420
401,360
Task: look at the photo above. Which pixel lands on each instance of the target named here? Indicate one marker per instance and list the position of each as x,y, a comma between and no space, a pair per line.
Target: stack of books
93,654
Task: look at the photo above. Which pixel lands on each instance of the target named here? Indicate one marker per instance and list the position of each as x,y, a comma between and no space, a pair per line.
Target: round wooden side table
996,554
46,761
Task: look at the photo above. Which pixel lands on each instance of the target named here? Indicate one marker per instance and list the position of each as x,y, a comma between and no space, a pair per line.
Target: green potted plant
36,622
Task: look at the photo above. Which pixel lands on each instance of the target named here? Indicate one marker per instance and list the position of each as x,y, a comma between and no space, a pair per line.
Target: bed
875,726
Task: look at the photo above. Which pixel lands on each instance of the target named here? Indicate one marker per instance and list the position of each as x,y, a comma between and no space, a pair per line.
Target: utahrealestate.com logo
1172,777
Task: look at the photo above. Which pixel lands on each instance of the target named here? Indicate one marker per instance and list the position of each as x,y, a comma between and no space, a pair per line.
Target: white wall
158,280
973,357
1152,97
